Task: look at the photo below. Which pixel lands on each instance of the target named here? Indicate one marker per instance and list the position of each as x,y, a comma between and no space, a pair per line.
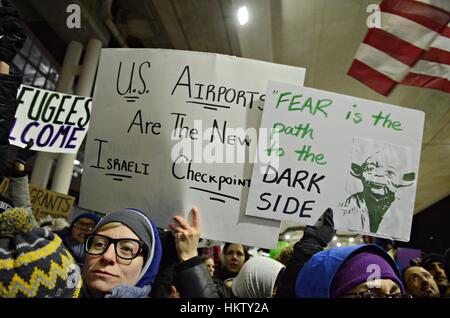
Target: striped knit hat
33,261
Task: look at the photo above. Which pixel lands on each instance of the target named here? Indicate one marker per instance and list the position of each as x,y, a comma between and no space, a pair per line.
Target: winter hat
356,270
431,258
257,278
146,230
94,217
34,261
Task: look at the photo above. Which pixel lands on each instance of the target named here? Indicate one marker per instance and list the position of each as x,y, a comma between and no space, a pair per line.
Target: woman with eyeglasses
362,271
124,254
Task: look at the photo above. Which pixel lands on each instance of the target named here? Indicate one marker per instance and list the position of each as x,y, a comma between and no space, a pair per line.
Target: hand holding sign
322,231
187,235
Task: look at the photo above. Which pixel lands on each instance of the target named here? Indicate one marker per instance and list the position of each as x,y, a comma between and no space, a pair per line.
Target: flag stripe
411,47
370,77
431,69
422,80
429,16
407,30
443,4
446,32
381,62
394,46
436,55
442,42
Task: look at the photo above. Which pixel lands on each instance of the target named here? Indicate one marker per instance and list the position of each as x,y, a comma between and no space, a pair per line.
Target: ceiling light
243,15
351,239
339,244
287,236
334,238
76,162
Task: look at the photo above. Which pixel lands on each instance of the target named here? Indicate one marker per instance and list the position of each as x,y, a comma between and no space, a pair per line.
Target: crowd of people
124,254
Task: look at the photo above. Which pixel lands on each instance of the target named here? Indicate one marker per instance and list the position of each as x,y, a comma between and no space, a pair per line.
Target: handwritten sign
356,156
44,202
167,135
57,122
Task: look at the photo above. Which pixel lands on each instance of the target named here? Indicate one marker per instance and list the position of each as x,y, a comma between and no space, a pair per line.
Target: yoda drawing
380,184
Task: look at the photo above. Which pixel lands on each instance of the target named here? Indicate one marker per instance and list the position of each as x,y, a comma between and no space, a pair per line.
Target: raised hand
323,230
187,235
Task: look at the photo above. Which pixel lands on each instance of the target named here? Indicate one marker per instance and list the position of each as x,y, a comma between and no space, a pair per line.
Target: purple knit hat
357,269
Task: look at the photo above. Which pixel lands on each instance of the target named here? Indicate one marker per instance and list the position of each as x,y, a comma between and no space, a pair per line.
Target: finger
195,213
328,217
175,227
183,223
173,290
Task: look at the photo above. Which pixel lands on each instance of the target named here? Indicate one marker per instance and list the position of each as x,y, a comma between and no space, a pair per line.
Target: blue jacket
315,278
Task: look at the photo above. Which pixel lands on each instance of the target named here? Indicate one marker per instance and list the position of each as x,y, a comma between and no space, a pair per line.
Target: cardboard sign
163,125
356,156
56,122
45,202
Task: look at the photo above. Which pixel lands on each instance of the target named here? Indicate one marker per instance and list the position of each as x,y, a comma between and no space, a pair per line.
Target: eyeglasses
375,294
84,226
125,248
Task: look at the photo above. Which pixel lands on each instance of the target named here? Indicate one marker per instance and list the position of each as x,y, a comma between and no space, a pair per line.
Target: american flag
412,47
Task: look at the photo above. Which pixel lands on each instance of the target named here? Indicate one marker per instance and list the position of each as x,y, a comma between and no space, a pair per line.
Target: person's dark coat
191,277
314,240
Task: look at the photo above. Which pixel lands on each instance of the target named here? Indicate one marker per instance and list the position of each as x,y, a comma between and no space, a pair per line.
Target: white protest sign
356,156
56,122
166,135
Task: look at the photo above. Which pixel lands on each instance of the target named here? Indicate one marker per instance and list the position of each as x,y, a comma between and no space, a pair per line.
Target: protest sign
166,135
356,156
56,122
44,202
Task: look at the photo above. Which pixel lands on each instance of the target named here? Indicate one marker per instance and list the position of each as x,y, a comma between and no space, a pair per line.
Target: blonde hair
108,226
